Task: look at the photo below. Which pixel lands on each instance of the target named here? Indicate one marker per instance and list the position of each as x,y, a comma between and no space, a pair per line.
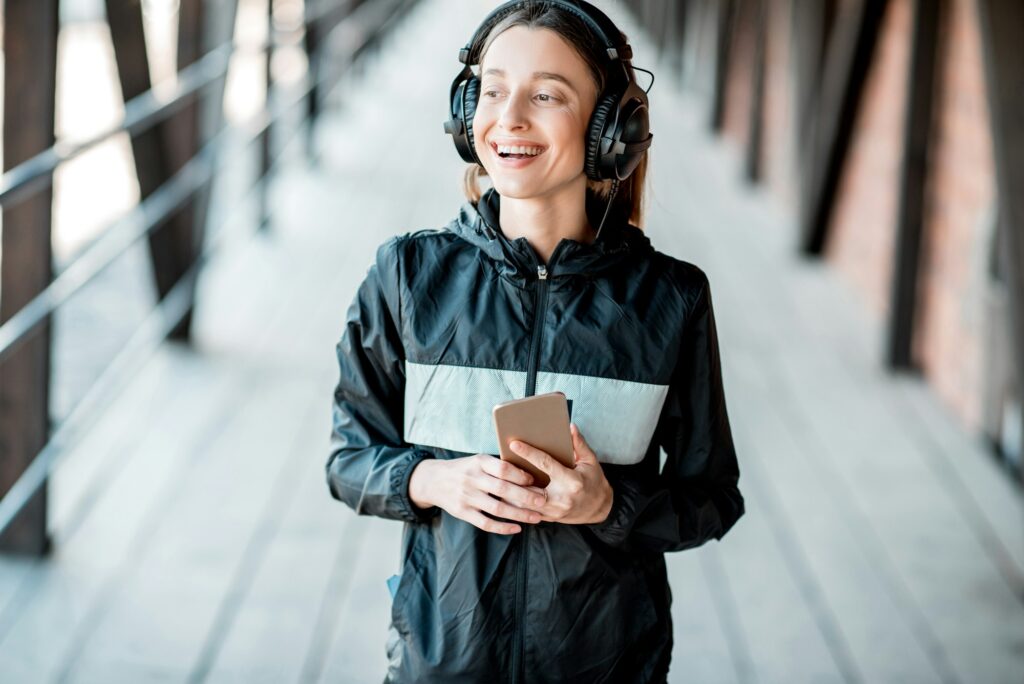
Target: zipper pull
542,272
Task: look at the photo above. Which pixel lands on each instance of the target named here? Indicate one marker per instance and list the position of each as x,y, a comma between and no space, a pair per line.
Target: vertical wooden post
848,58
910,225
152,166
1002,31
202,26
30,52
756,122
311,43
726,11
265,150
677,42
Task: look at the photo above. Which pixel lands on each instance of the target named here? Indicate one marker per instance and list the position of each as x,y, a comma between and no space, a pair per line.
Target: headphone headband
597,21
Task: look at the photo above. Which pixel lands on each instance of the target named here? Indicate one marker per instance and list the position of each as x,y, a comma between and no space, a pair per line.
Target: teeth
518,149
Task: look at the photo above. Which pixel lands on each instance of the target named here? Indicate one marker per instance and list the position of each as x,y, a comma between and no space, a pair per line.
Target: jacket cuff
615,529
400,476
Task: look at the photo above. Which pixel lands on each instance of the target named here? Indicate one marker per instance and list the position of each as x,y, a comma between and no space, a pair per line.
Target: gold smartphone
541,421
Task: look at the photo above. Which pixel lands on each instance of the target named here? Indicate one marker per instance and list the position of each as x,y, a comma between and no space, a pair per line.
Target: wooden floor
196,539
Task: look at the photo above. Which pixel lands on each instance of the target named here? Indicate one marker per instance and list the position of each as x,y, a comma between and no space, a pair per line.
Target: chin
513,190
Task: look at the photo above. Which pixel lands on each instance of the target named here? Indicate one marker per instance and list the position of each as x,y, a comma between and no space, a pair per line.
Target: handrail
161,320
120,235
145,109
140,113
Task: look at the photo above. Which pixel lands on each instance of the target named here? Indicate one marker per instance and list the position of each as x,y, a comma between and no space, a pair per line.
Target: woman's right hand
467,488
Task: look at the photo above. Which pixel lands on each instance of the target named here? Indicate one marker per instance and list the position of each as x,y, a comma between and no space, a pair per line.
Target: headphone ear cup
604,108
470,97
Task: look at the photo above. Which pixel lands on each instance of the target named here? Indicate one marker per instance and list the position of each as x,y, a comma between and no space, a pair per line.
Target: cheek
571,140
482,122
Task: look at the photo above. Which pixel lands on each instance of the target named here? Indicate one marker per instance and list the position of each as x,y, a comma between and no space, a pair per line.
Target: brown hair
629,199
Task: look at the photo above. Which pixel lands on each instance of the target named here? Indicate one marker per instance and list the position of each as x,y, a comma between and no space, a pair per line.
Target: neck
545,221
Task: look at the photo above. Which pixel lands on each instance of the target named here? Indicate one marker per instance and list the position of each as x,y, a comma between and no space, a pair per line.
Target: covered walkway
195,538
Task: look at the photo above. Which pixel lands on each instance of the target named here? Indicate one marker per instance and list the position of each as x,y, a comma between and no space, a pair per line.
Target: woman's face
536,97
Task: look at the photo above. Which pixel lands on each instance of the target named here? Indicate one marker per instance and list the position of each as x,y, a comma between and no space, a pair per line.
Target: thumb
584,454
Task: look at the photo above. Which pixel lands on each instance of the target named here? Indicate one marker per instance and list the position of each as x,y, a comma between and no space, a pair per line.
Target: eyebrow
539,75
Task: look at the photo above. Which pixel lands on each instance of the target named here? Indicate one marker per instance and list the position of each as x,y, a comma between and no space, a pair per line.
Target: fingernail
514,446
516,528
535,518
538,500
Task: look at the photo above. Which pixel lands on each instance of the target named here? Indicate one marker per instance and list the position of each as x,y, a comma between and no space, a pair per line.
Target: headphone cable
611,198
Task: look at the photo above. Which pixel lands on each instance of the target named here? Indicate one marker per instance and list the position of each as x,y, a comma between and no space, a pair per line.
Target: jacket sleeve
695,496
369,464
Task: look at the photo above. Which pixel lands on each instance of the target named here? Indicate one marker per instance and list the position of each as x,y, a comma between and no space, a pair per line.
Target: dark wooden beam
849,54
920,85
677,40
726,11
755,124
265,141
1002,32
30,68
810,28
311,44
202,26
153,164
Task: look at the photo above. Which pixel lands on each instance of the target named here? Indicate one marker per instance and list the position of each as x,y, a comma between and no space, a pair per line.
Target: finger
478,519
501,509
584,454
503,470
541,459
514,494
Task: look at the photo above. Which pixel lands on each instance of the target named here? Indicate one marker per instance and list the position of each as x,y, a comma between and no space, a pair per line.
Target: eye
545,97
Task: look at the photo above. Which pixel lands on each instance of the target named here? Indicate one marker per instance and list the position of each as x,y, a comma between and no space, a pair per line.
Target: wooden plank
848,58
921,77
866,630
1002,31
276,623
701,649
30,68
357,652
793,612
61,598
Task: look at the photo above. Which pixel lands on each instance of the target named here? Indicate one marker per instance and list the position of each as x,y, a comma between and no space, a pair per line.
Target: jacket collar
517,260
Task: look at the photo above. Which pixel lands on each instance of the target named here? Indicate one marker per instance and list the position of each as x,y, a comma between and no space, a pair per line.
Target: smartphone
541,421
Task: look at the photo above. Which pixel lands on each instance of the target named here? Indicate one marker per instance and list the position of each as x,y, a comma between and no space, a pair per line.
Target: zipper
538,326
531,389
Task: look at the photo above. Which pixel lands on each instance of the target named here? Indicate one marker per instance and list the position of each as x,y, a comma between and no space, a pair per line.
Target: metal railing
362,23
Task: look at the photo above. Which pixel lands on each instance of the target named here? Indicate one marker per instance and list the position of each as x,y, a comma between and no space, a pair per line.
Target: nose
513,114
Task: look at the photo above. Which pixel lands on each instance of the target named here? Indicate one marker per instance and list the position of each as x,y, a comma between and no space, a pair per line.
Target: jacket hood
618,242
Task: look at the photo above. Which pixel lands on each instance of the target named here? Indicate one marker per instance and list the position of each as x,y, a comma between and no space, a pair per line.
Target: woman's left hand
576,496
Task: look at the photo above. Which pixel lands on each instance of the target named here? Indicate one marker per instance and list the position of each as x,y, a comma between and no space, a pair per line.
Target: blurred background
193,189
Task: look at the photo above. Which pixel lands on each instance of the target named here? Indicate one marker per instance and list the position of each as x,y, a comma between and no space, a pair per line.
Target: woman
541,283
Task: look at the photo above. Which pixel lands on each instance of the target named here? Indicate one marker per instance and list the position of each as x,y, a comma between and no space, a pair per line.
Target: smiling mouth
517,151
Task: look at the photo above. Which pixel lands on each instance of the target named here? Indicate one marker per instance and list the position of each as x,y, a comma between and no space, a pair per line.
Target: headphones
619,128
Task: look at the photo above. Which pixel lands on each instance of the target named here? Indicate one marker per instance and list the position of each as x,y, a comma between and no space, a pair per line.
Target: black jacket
448,323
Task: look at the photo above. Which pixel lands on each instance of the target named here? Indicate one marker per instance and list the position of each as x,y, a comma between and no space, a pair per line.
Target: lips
516,154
